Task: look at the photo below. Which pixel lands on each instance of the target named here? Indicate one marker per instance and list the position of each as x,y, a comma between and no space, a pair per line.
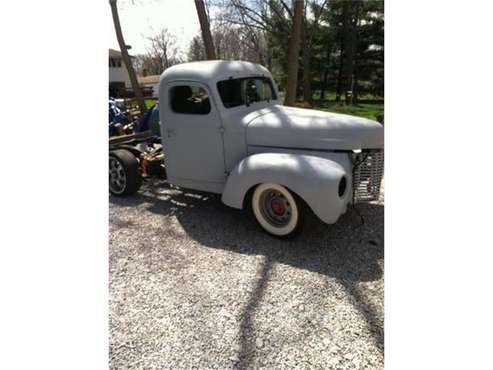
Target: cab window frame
243,102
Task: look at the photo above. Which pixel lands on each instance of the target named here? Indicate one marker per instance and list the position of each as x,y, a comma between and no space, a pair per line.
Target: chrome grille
367,176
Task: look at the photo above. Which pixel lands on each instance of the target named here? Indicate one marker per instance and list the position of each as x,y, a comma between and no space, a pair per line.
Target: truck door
192,137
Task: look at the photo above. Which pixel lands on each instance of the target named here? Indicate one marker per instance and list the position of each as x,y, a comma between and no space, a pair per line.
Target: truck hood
288,127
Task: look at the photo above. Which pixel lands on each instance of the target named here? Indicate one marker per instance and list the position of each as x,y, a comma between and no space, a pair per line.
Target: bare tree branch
287,8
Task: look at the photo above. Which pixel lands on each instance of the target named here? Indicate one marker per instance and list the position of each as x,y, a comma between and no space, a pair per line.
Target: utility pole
206,30
126,57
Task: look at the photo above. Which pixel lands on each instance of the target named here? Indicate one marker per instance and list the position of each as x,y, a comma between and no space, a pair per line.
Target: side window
188,99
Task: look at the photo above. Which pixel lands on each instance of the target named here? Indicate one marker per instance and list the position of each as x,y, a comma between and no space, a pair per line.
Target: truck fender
315,179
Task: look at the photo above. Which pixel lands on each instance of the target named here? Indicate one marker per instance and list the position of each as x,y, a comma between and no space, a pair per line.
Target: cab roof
213,71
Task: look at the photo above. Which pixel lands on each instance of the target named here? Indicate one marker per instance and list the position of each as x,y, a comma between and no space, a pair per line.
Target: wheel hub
116,176
277,207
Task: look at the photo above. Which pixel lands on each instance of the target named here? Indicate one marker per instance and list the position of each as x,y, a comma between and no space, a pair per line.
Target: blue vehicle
149,121
116,115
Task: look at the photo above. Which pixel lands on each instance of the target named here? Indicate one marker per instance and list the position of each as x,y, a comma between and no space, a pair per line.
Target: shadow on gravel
348,250
247,330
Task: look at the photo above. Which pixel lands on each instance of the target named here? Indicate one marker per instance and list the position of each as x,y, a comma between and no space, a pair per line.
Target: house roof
117,53
153,79
214,70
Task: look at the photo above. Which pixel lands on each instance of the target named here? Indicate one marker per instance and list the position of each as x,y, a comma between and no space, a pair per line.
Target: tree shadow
349,251
247,330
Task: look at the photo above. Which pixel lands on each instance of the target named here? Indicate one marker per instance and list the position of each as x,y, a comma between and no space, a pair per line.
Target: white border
53,230
54,197
438,300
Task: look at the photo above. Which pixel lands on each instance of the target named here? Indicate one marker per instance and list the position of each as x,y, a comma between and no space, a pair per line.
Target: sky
143,18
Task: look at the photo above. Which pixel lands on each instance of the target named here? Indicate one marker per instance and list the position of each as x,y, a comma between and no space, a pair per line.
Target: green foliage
366,20
342,48
370,111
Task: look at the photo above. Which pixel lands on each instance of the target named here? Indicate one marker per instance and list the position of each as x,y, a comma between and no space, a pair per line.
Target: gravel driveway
195,284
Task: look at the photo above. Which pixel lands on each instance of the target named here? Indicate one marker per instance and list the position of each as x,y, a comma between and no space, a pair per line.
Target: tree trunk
339,79
340,74
126,58
307,80
293,54
350,48
355,87
324,84
325,76
206,30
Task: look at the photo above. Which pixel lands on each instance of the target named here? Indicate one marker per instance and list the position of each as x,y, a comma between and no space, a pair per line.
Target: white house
118,75
150,82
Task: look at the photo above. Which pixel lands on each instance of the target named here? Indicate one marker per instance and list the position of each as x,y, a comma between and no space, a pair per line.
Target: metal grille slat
367,176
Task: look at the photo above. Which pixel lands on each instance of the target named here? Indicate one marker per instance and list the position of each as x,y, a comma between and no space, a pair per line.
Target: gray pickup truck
225,131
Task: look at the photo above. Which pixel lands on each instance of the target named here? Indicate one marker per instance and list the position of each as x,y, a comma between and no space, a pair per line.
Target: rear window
245,91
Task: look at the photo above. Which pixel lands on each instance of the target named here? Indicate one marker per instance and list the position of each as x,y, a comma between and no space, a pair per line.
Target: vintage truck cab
224,130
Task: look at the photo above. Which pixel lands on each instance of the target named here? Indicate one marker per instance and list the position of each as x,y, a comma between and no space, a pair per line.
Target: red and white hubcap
275,208
278,207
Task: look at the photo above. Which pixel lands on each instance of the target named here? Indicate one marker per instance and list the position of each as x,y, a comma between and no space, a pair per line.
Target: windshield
245,91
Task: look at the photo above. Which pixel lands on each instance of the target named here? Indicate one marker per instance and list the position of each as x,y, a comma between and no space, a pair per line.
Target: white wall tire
276,210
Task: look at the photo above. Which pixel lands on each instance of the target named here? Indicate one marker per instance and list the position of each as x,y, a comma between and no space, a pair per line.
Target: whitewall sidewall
275,230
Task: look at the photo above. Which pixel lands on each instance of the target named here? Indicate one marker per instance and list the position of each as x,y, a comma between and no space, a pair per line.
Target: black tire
294,222
124,175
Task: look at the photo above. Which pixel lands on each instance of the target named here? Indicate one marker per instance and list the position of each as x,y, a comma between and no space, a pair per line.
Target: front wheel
277,210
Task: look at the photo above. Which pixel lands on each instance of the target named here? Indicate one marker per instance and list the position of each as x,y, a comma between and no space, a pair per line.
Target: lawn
364,109
150,102
371,111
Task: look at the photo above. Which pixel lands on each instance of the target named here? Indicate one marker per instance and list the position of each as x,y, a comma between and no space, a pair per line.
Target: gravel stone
259,343
195,284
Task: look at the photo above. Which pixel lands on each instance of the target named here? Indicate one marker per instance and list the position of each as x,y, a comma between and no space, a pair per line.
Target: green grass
150,102
370,111
366,110
331,96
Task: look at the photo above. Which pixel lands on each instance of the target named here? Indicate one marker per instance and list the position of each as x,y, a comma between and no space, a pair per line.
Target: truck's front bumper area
368,167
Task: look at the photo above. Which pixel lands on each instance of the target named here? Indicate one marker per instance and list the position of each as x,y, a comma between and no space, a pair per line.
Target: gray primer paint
314,177
307,128
232,149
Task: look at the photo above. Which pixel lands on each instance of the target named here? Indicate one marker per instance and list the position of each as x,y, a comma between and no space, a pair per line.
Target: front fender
315,179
